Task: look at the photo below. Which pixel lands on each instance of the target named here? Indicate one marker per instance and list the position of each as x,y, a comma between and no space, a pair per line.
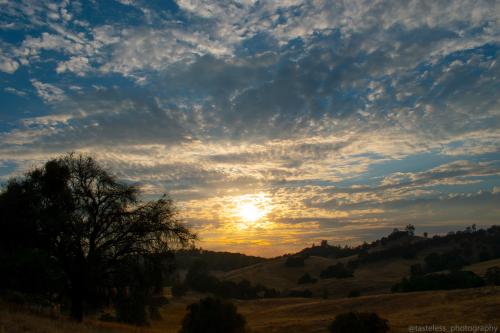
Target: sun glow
250,212
252,209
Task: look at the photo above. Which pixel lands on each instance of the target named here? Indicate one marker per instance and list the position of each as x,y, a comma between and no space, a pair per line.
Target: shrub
15,297
354,293
325,294
416,269
306,293
306,278
449,260
198,278
131,308
446,281
295,261
408,252
212,315
336,271
106,316
359,322
492,276
179,289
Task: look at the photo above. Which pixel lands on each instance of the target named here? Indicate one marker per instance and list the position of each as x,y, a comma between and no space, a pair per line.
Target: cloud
48,92
8,65
15,91
77,65
348,115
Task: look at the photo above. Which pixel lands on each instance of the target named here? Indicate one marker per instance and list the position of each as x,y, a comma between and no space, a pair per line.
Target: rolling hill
381,266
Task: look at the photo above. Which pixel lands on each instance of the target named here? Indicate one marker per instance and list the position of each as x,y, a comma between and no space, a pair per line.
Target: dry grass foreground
471,306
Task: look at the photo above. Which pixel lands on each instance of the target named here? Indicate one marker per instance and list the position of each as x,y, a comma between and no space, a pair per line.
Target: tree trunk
77,295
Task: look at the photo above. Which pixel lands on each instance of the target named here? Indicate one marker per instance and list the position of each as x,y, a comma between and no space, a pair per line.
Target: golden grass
298,315
481,267
369,279
21,322
472,306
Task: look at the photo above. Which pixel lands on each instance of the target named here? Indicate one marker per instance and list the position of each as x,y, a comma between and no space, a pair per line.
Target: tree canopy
87,223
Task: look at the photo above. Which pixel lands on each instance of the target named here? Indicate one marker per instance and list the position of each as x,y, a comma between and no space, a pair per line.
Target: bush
447,281
449,260
325,294
336,271
416,269
306,293
295,261
107,317
179,289
306,278
408,252
359,322
131,308
492,276
15,297
211,315
354,293
199,279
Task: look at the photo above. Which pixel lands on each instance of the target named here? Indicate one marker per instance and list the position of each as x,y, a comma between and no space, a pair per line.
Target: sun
251,209
250,212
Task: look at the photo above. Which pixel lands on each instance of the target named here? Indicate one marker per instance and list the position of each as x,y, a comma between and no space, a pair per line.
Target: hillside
372,278
481,267
473,306
214,260
290,315
376,272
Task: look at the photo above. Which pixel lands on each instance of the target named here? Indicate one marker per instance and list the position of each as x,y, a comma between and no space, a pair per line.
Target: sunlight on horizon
251,210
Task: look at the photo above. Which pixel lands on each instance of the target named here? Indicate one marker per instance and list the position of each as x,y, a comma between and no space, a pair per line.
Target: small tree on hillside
492,276
410,230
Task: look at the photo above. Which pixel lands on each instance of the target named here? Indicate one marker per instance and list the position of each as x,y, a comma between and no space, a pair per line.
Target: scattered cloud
351,117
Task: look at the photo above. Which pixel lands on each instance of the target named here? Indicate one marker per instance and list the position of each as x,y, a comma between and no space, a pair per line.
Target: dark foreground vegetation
442,281
212,315
200,279
214,261
73,235
359,322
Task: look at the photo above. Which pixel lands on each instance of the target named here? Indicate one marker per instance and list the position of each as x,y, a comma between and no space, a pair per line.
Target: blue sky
333,120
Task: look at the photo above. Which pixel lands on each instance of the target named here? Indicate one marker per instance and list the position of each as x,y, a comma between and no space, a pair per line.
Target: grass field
290,315
369,279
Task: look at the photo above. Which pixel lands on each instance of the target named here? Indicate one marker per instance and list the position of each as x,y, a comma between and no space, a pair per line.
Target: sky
272,124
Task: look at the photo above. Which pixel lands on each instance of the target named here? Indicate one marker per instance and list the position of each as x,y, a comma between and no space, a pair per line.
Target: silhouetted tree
492,276
410,229
444,281
212,315
306,293
295,261
359,322
339,270
306,278
80,215
416,269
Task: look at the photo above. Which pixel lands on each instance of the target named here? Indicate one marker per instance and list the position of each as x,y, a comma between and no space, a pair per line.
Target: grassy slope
370,279
373,278
481,267
472,306
290,315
